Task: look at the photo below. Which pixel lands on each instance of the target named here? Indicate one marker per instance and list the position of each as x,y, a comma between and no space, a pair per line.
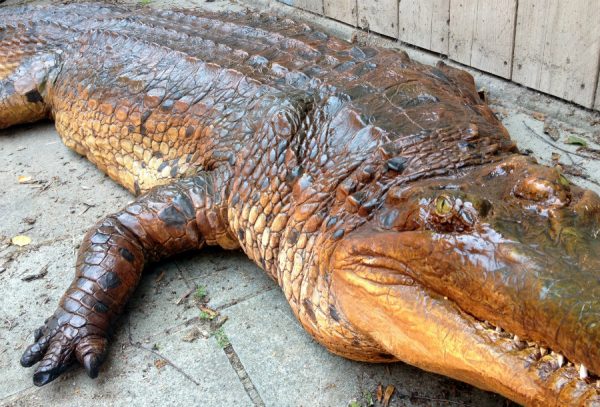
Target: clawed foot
64,338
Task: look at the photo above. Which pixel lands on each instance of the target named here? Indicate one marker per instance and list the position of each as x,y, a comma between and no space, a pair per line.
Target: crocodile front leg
167,220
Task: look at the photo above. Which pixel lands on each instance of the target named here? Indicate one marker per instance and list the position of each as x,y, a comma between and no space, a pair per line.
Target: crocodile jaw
432,333
423,277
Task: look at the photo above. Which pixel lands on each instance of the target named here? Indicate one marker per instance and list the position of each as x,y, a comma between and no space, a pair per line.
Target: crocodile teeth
583,372
560,359
498,329
543,351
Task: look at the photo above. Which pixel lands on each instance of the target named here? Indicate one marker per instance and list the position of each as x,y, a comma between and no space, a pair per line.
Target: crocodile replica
382,195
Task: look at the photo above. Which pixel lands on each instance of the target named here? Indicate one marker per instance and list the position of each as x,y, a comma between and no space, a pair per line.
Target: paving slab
289,368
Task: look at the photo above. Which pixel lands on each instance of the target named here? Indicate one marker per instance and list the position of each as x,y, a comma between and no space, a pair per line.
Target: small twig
555,146
42,273
87,207
585,177
156,353
185,295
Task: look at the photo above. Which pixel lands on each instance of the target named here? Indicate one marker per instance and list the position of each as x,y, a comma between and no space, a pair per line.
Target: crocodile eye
443,205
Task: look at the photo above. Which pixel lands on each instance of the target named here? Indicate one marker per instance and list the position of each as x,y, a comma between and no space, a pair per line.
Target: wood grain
425,23
342,10
482,34
380,16
557,48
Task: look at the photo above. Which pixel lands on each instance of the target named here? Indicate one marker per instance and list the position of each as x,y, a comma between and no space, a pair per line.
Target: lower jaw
433,334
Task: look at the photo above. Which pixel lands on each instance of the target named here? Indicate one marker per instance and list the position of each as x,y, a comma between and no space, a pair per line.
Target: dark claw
33,354
42,378
38,333
91,363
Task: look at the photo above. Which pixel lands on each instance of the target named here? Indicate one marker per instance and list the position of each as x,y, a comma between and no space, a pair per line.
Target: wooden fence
549,45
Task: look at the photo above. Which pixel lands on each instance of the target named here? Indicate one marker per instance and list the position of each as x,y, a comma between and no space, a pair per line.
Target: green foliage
221,338
205,316
200,292
145,2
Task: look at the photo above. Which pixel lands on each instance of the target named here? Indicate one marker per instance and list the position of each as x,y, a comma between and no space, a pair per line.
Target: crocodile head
491,276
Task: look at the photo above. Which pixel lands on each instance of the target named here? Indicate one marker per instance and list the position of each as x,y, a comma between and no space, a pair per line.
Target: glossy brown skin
381,194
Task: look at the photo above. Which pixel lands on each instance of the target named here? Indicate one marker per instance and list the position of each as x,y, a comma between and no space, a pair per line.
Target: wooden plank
316,6
342,10
557,48
482,34
494,36
462,29
424,23
380,16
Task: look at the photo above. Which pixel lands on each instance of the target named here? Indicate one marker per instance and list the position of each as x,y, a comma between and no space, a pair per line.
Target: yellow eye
443,205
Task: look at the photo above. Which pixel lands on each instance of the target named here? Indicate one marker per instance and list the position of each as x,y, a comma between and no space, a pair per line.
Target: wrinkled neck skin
490,277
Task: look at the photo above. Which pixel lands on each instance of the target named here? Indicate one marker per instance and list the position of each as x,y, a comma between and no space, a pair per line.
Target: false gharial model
382,195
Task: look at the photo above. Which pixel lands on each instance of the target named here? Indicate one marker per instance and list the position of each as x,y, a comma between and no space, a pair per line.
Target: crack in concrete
242,299
243,375
156,353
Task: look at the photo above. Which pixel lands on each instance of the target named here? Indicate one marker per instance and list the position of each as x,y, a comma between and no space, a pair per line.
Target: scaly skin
381,194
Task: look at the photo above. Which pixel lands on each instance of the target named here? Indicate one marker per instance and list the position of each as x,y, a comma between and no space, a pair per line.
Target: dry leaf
21,240
576,140
539,116
160,363
555,157
209,311
388,395
551,131
24,179
379,392
191,335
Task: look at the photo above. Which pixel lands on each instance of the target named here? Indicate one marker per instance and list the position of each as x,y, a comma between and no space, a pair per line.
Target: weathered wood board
380,16
482,34
342,10
557,48
425,23
316,6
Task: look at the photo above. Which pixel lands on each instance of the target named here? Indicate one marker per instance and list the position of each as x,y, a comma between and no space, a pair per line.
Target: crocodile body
382,195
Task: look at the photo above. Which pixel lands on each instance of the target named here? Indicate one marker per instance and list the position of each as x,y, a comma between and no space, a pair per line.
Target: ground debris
184,296
207,313
539,116
41,274
576,141
379,393
160,363
21,240
25,179
389,391
572,170
551,130
193,334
